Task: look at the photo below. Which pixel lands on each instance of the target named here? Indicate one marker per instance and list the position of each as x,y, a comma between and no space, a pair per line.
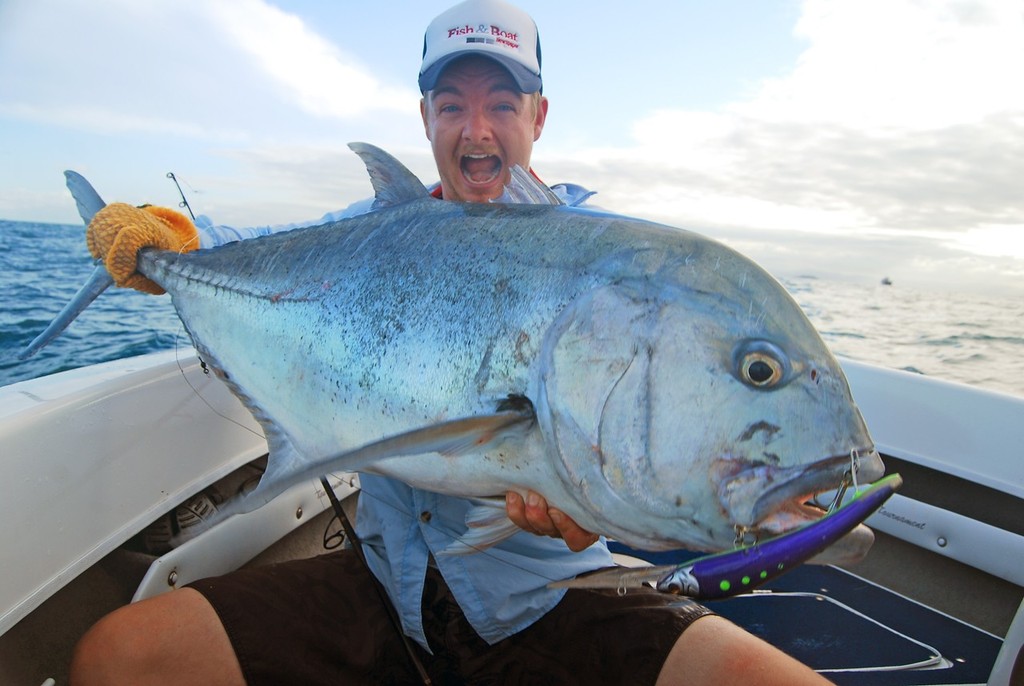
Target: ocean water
41,268
964,337
969,338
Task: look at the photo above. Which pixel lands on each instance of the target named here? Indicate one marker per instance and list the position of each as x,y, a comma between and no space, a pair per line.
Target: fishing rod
357,547
184,200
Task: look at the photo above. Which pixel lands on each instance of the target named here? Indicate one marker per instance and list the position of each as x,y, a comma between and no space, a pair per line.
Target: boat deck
40,645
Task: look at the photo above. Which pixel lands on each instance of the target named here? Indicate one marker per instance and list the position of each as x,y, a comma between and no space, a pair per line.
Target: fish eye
761,370
760,364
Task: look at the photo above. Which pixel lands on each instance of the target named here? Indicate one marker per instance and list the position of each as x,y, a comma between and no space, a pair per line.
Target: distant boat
886,281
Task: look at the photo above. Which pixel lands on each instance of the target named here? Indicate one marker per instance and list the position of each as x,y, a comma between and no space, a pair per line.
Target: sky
849,139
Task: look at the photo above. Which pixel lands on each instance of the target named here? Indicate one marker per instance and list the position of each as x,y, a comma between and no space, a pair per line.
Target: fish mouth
767,500
480,168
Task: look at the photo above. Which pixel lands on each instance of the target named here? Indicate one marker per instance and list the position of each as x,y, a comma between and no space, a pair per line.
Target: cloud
307,182
186,68
323,80
900,63
105,121
899,117
900,120
993,241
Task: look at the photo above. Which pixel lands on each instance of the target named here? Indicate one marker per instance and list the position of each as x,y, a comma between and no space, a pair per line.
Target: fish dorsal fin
392,182
524,188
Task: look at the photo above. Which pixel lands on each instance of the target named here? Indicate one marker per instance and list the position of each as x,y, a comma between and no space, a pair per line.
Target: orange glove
118,231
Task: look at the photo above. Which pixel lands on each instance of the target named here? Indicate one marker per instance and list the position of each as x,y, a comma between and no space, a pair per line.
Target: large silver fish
652,383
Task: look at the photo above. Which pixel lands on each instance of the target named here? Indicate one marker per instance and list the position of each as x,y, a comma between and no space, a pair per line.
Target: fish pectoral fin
488,525
452,438
287,466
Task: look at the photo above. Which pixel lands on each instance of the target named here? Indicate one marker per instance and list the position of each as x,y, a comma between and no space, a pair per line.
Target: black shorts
321,621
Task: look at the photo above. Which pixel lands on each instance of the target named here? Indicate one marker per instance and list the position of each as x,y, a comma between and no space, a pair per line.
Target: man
482,618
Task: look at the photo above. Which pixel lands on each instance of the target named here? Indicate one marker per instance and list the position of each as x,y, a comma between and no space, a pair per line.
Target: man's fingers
576,537
538,517
534,515
530,514
515,507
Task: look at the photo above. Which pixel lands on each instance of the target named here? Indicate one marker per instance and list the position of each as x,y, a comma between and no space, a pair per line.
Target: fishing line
854,467
455,538
184,200
178,345
477,550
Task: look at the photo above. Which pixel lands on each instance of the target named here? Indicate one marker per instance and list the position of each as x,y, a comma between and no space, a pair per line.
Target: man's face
479,125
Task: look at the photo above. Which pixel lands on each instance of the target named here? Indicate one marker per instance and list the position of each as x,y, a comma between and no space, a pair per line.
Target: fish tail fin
98,282
89,203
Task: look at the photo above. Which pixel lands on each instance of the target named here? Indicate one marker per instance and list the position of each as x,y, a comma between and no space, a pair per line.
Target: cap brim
527,81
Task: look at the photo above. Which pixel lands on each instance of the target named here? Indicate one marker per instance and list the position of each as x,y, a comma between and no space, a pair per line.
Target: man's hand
118,231
535,516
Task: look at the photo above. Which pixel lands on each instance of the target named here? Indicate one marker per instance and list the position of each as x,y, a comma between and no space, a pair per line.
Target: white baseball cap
490,28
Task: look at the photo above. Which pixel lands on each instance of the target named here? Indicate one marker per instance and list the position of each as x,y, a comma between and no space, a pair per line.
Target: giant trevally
654,384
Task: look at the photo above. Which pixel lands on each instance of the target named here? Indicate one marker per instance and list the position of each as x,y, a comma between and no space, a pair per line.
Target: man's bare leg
169,639
715,651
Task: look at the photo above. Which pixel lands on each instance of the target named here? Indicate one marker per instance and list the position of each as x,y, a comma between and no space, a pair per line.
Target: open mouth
479,168
764,498
766,501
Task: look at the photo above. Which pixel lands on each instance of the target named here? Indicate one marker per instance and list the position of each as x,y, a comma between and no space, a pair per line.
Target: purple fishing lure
744,569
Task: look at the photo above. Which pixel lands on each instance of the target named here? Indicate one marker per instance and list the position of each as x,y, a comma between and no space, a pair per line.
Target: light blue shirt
501,590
